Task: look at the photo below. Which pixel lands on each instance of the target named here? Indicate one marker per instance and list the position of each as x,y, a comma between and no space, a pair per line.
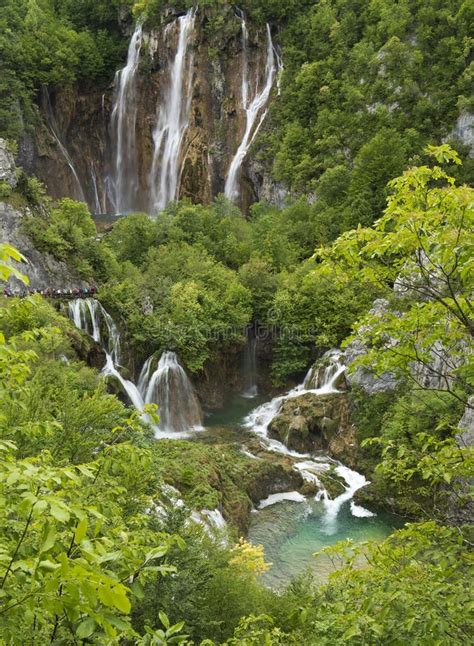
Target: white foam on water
273,499
361,512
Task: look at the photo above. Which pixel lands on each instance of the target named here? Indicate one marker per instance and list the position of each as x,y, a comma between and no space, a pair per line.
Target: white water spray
354,482
259,419
170,388
173,119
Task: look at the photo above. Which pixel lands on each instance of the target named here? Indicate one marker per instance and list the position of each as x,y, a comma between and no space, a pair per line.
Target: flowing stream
173,117
290,526
255,106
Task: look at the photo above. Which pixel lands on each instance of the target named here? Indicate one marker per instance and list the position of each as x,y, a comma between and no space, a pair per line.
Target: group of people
81,292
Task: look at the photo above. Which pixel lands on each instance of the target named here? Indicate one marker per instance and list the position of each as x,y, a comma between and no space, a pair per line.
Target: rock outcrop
464,130
7,165
316,422
41,268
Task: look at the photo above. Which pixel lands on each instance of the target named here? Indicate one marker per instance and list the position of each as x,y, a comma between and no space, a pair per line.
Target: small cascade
122,186
354,481
145,375
53,128
255,109
110,370
170,388
319,382
325,378
99,205
213,523
273,499
90,317
173,118
259,419
250,369
168,385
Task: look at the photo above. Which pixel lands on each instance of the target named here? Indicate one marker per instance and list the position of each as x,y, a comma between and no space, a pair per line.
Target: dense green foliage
44,42
357,95
194,278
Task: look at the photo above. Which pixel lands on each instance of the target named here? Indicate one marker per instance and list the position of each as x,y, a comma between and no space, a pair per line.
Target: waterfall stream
319,382
255,109
173,118
170,388
123,185
250,368
53,128
168,385
259,419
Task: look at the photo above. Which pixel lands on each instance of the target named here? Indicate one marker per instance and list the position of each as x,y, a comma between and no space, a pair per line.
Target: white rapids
319,382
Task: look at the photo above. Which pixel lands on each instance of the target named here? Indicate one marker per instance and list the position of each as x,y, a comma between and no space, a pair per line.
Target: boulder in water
316,422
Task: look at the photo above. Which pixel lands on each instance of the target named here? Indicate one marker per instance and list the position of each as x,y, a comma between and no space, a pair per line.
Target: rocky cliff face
41,268
73,151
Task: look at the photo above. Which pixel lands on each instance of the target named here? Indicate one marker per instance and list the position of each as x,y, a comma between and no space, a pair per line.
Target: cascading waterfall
255,109
310,469
250,368
170,388
173,119
53,127
259,419
123,185
327,376
90,317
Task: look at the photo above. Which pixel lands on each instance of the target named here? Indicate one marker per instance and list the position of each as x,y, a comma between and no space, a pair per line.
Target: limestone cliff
73,150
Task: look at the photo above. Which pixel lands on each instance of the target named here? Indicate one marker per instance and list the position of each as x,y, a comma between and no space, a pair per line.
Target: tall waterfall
173,118
255,109
123,185
170,388
53,128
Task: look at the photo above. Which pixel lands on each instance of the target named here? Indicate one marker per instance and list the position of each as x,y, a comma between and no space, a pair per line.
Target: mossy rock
333,483
220,476
313,422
